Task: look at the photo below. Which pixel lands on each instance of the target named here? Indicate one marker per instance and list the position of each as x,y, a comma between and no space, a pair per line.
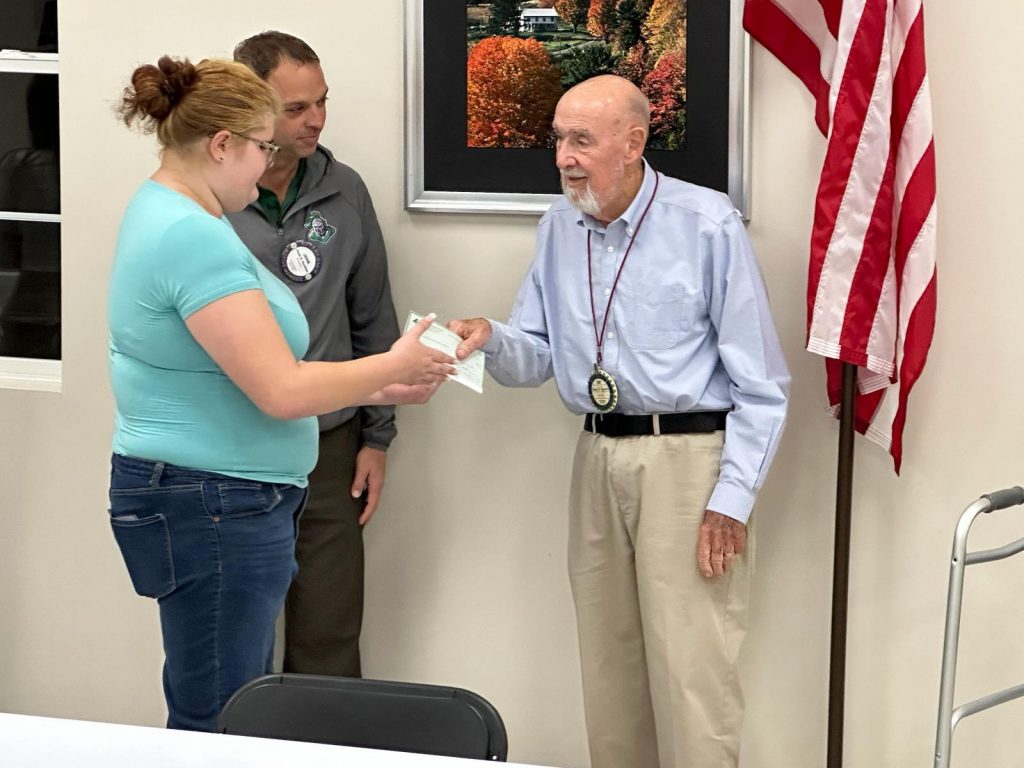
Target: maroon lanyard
599,337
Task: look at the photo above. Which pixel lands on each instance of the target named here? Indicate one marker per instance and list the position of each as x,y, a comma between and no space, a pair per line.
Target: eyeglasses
269,148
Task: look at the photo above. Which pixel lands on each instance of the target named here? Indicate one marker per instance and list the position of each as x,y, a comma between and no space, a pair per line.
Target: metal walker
949,717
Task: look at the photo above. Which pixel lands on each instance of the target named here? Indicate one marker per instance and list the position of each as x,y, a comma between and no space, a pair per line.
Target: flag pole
841,568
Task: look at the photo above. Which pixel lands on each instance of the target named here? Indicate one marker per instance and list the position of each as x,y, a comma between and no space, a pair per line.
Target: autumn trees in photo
511,91
515,75
573,12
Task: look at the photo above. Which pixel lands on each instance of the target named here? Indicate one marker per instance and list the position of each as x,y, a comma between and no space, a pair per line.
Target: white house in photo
539,20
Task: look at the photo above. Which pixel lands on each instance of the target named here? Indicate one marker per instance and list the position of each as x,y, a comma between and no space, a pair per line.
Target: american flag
871,282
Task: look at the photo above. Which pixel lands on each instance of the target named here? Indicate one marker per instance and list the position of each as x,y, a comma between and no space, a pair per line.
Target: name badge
603,391
300,261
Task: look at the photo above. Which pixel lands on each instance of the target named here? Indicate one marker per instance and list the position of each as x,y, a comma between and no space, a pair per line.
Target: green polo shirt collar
268,202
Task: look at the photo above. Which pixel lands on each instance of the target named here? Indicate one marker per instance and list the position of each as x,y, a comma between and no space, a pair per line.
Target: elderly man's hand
721,538
474,332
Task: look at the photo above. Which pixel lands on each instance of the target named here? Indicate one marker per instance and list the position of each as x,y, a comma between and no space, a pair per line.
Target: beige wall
466,563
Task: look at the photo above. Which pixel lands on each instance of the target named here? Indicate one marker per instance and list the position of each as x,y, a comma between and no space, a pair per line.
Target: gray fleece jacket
329,250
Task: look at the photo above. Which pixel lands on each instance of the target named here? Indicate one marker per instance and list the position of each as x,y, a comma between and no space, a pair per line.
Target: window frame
22,372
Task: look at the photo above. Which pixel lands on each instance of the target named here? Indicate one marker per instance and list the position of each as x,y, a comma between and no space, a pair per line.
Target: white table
47,742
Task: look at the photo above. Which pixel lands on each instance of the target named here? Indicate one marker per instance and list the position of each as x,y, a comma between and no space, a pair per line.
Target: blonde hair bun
181,101
156,90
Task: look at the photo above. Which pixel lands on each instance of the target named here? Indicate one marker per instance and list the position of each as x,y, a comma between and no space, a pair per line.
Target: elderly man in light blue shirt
646,304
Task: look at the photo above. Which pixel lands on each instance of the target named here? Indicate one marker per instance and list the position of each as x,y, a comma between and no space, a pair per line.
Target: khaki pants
658,641
324,610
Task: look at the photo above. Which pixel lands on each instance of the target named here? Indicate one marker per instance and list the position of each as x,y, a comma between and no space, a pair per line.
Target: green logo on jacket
317,228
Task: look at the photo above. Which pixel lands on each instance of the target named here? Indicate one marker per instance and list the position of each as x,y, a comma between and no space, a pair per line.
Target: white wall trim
28,374
29,62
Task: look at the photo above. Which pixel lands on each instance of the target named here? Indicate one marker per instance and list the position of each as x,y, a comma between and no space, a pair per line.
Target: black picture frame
443,174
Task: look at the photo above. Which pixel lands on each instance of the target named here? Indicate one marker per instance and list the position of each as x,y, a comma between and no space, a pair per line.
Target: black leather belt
623,425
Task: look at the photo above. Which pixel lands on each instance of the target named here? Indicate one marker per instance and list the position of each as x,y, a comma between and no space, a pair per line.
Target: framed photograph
482,79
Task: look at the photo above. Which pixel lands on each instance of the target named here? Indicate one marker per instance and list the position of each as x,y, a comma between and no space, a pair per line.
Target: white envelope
470,372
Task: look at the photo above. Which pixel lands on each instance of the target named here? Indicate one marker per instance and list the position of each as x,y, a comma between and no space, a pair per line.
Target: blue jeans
218,555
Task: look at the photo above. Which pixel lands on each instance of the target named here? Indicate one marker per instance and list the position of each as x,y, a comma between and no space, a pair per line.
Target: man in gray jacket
314,227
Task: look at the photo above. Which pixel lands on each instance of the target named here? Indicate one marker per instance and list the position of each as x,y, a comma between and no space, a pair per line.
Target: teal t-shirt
174,403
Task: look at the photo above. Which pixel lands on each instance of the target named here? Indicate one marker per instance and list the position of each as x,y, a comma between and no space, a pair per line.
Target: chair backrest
409,717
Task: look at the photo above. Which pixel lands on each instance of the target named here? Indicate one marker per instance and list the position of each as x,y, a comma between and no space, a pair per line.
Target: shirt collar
274,208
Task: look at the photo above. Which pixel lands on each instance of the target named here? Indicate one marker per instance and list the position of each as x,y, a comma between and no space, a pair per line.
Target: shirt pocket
661,317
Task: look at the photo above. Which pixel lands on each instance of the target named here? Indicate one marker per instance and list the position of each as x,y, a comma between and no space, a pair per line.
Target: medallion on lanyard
601,386
300,261
604,394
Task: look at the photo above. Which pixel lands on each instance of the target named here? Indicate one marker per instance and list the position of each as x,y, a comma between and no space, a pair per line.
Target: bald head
616,97
601,128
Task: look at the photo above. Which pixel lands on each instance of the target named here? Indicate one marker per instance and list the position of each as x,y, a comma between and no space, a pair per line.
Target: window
30,314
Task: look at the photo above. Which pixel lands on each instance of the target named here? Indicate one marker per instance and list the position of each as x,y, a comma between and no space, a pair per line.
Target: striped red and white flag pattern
871,282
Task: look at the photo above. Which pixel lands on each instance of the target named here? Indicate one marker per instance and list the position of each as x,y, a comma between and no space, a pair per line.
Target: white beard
584,201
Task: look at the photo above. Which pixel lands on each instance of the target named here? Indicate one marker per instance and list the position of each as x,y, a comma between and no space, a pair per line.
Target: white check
470,372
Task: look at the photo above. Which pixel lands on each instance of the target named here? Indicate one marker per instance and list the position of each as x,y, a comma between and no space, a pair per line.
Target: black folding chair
378,714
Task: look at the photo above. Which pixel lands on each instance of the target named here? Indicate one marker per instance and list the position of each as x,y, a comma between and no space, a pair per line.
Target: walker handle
1008,497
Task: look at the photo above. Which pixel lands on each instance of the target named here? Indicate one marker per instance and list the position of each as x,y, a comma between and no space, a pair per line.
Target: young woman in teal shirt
215,424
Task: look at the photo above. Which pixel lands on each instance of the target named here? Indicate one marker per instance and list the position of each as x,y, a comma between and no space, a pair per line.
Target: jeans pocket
146,548
247,499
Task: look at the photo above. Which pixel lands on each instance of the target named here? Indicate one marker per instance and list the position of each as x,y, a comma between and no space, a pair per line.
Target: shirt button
611,248
611,334
607,291
629,231
280,231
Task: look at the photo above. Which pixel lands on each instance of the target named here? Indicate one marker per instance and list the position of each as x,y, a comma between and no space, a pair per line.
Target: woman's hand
404,394
418,363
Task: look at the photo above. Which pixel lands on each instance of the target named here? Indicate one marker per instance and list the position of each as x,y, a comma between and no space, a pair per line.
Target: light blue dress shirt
690,326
